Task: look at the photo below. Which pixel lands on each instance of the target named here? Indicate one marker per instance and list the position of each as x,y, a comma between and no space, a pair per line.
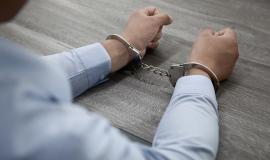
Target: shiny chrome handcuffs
175,71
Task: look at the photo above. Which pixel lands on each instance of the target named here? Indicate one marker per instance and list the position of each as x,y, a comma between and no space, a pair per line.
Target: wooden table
136,102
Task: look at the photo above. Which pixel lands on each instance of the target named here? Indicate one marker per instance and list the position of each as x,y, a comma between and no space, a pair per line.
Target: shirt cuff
195,85
95,61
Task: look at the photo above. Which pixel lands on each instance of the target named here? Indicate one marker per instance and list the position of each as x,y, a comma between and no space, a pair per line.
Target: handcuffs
175,71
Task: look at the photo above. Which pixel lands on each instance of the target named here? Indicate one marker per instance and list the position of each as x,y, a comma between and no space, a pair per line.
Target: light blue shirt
39,121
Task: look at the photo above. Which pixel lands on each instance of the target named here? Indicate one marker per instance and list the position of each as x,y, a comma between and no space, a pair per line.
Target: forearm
189,127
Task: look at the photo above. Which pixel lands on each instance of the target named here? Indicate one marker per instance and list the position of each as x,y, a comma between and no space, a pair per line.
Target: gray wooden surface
135,103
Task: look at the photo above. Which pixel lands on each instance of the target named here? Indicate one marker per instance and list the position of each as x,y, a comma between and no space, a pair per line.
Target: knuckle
150,8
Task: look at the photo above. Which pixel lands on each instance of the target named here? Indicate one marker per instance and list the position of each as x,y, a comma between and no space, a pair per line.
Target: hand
217,50
144,28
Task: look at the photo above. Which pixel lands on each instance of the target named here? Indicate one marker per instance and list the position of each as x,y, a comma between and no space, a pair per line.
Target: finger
163,19
153,45
219,33
158,37
228,32
150,11
222,32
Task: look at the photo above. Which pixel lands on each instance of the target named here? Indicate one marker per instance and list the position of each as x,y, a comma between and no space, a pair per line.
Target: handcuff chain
155,70
137,54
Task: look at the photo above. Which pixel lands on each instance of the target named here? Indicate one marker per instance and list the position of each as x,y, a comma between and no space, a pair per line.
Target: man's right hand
143,30
217,50
144,27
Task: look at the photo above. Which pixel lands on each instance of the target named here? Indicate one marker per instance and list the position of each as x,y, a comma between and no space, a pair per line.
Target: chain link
155,70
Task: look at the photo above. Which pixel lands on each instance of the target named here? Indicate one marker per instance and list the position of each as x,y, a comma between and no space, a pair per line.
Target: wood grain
136,102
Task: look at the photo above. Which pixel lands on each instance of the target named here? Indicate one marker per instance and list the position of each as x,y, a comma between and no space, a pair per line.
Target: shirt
39,121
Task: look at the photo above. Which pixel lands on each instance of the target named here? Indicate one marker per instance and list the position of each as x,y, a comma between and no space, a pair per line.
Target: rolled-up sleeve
85,67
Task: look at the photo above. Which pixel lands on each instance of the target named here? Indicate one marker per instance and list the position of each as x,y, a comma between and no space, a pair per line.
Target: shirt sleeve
39,121
44,127
84,67
189,128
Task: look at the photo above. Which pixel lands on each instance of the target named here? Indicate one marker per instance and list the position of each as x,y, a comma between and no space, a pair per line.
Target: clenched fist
217,50
144,28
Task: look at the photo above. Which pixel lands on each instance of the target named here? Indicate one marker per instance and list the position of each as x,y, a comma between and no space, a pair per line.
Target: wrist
134,41
197,71
118,53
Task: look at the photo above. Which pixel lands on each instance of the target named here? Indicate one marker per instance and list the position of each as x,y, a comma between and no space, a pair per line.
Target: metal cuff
206,69
136,54
178,70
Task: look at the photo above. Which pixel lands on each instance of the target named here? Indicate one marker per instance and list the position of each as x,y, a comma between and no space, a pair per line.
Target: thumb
163,19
